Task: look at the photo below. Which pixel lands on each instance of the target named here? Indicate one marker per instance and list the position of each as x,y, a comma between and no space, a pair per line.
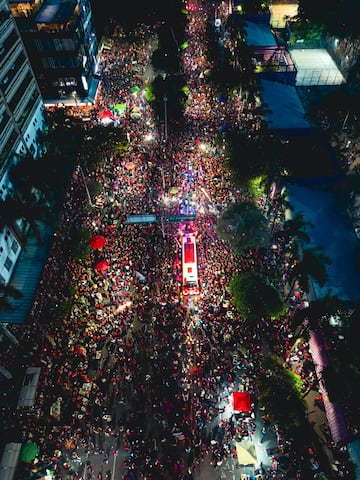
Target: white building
21,119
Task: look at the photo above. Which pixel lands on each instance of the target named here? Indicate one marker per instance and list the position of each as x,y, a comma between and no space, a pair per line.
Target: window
14,246
8,264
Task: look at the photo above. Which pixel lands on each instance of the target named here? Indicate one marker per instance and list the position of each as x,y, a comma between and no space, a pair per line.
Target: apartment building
21,119
61,43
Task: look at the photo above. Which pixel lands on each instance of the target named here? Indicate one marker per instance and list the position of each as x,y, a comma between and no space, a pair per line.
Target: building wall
63,55
21,119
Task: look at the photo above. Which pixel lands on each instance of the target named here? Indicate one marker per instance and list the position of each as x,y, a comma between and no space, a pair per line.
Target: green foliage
102,139
79,241
338,18
149,93
65,308
71,288
293,228
255,7
172,87
279,390
318,313
30,210
168,62
343,378
95,188
257,186
311,264
8,292
254,297
248,157
244,226
306,31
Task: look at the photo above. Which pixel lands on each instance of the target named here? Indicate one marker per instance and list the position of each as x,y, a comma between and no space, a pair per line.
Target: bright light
149,137
84,82
203,147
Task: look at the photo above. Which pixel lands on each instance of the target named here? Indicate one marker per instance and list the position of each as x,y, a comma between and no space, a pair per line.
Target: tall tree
8,292
279,391
293,230
244,226
24,214
254,297
310,264
339,18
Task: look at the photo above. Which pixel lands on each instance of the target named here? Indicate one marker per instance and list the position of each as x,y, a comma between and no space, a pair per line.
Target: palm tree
7,292
294,229
22,214
311,264
308,319
31,175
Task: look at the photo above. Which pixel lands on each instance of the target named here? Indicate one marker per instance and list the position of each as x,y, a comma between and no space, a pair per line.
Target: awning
245,456
242,402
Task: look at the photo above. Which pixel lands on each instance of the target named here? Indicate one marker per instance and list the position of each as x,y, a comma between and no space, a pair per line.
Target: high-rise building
60,39
21,119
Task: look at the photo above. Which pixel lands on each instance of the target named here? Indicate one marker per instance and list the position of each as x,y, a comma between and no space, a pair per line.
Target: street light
165,115
86,186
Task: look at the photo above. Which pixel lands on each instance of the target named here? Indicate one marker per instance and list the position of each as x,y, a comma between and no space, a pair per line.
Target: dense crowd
168,363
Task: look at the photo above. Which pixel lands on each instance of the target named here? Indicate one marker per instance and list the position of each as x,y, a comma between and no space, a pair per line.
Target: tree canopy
244,226
249,156
339,18
254,297
279,391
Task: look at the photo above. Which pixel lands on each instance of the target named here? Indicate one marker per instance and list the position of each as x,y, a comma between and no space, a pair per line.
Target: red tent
101,265
97,241
242,402
105,114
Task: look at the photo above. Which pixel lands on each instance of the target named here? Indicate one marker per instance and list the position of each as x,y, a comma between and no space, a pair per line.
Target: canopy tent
246,454
120,108
97,241
29,386
29,450
130,165
9,460
101,266
105,114
242,402
135,89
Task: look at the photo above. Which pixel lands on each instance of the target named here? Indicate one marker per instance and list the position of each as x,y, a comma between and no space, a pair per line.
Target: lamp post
165,116
85,183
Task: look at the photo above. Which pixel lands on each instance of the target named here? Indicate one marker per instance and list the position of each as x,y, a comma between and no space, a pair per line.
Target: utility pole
165,116
86,187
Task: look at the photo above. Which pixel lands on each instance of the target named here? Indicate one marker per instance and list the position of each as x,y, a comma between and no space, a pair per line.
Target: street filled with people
140,371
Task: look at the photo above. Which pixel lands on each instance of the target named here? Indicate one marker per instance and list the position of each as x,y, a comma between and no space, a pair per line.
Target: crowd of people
133,360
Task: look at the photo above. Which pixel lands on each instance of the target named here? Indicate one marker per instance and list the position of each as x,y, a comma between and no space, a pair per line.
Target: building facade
21,120
60,39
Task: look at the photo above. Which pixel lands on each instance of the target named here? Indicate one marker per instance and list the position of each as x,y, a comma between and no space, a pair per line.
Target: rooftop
56,11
